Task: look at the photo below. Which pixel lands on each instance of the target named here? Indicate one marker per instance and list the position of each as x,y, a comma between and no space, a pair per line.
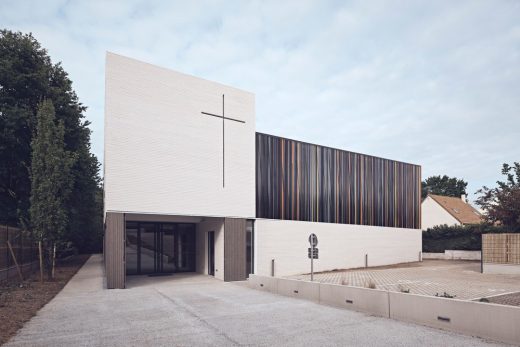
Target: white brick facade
163,156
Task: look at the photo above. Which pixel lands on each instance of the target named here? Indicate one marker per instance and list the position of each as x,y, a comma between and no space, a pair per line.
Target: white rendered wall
161,218
163,156
433,214
341,246
207,225
502,269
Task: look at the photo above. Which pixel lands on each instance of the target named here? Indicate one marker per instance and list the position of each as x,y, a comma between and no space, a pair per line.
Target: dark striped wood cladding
306,182
114,252
234,249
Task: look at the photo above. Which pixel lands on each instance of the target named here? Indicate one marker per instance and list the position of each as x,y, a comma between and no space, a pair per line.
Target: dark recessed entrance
159,248
211,253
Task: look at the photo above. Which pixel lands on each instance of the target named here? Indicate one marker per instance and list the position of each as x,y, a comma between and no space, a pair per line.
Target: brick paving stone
461,279
512,299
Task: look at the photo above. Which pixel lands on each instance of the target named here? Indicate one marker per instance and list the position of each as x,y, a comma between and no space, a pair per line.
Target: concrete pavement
195,310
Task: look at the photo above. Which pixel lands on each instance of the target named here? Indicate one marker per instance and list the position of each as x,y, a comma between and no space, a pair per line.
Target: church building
190,186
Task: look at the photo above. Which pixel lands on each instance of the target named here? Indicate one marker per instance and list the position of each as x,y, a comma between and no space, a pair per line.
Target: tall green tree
51,181
25,70
27,76
447,186
502,203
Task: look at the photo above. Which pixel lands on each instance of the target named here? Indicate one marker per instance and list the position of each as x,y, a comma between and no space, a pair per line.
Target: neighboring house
190,186
439,210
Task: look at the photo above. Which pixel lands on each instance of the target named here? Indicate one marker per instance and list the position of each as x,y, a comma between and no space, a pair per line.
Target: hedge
464,238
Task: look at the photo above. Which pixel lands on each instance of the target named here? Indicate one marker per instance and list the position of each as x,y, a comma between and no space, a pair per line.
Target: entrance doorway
159,248
211,253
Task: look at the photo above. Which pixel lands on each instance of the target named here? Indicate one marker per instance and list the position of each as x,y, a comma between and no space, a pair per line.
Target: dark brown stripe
302,181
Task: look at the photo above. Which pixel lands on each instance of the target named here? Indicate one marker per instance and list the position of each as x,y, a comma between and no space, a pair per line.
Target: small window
456,210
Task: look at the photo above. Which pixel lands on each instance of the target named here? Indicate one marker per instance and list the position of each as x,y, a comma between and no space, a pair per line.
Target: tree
447,186
51,181
27,76
24,78
502,203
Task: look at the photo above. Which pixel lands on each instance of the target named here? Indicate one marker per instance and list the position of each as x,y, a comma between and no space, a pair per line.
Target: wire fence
501,248
24,248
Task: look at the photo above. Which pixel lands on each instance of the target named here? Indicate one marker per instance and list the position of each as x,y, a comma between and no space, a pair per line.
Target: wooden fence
24,248
501,248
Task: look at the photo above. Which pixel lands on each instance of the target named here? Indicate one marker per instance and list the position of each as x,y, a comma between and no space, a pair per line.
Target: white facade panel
163,156
341,246
207,225
433,214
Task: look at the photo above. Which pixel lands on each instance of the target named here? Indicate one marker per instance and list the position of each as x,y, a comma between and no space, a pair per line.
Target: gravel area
19,301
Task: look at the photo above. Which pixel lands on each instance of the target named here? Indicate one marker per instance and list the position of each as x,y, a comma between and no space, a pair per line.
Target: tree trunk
48,259
53,259
41,260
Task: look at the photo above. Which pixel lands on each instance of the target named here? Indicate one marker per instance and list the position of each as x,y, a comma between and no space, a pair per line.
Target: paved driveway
201,311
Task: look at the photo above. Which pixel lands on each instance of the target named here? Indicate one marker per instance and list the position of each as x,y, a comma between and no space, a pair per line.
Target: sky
434,83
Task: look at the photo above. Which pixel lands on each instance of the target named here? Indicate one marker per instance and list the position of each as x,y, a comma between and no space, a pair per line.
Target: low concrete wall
370,301
497,322
299,289
462,255
503,269
427,255
268,284
453,255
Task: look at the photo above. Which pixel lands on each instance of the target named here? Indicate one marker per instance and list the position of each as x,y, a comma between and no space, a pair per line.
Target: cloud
433,83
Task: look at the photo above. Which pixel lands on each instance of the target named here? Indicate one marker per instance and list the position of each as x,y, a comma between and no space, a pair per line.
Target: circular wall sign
313,240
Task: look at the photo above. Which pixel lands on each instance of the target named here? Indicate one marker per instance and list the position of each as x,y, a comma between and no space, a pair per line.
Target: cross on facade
223,133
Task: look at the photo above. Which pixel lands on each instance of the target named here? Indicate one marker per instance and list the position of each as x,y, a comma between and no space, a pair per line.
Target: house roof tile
462,211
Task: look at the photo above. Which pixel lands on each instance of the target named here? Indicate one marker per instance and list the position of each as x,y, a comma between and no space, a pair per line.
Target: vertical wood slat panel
234,249
307,182
115,250
501,248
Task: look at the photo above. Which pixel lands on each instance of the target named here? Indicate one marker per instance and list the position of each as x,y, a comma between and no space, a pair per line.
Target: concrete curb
485,320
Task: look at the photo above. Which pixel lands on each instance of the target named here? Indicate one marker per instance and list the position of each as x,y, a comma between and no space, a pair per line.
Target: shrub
463,238
370,284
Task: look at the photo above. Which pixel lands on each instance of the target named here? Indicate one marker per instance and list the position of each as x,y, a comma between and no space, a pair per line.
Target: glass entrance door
211,253
168,248
148,247
154,248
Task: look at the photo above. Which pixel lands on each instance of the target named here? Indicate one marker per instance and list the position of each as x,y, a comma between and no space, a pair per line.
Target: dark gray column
115,250
234,249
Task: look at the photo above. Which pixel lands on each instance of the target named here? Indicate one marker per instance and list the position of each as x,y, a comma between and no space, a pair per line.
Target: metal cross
223,144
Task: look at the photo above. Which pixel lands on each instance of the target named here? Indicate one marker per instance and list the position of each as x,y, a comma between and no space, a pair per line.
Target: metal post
272,267
312,264
481,261
15,261
7,251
